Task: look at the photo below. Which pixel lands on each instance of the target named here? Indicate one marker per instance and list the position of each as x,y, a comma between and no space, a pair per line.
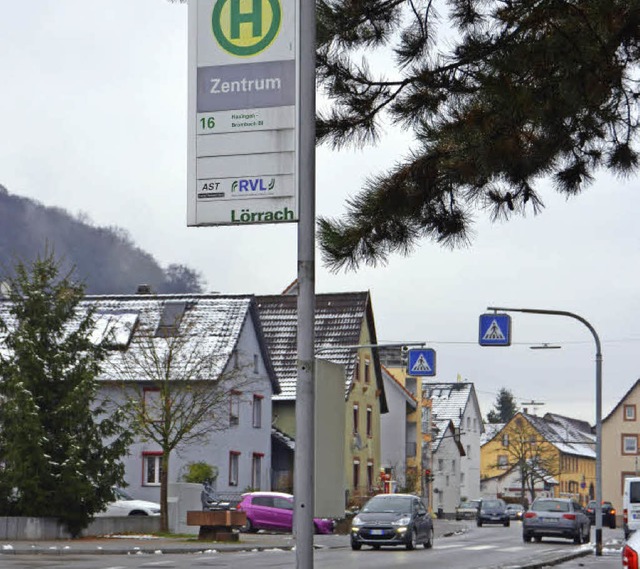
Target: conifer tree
60,448
504,409
497,95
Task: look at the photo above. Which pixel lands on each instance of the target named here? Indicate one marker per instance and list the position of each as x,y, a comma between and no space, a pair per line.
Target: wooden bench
218,525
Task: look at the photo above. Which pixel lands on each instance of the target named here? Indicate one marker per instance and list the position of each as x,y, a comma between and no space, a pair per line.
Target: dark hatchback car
392,519
492,511
608,514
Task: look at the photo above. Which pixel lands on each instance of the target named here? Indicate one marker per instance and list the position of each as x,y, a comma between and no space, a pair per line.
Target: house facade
620,445
342,320
448,459
395,428
417,434
457,402
225,332
553,452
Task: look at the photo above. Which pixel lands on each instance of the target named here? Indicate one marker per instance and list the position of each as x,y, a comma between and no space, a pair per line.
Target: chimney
143,289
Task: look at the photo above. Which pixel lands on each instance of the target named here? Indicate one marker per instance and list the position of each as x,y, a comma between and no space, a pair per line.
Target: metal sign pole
598,407
305,389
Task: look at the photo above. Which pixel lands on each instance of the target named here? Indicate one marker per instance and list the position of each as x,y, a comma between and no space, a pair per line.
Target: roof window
172,313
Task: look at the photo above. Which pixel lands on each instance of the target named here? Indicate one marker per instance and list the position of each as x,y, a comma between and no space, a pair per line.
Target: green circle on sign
230,25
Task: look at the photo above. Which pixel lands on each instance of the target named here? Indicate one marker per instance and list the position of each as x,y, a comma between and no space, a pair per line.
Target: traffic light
427,475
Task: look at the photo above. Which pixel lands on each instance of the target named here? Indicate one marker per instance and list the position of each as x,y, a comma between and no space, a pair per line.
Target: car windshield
388,504
491,504
120,494
550,506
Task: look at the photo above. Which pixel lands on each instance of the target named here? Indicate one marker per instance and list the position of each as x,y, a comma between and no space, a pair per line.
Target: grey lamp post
598,405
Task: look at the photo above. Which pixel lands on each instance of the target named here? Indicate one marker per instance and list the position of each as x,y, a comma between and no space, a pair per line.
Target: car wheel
376,547
137,513
413,540
429,543
479,523
356,546
249,527
507,523
526,538
538,538
612,524
578,538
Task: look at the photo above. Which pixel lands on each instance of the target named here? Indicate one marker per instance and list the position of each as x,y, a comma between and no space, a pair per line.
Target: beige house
620,442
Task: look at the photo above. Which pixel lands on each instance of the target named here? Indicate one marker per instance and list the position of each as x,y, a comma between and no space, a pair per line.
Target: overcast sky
93,118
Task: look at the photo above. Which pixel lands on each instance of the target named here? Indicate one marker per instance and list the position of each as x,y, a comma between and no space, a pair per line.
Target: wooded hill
104,258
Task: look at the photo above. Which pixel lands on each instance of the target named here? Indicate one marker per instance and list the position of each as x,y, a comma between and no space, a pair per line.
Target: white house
393,427
226,328
457,402
447,459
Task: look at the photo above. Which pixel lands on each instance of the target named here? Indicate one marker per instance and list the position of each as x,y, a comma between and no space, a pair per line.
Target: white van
631,505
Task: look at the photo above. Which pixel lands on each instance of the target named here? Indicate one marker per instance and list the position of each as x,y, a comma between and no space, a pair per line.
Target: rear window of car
491,503
634,492
266,501
550,506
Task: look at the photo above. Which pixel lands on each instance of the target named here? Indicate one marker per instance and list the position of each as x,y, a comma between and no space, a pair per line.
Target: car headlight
357,521
402,521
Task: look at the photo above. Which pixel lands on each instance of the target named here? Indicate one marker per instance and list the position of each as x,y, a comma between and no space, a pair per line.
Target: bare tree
177,389
535,458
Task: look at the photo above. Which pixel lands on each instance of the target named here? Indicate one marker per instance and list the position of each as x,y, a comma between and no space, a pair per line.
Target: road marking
479,547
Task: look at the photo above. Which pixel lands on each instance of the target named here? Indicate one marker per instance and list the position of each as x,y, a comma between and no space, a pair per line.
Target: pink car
274,511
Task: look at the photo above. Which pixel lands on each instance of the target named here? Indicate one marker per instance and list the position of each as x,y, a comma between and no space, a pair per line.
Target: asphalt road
477,548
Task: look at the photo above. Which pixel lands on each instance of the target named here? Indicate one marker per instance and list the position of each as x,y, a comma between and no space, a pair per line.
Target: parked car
492,511
556,517
392,519
467,510
125,505
274,511
608,513
631,552
515,511
631,505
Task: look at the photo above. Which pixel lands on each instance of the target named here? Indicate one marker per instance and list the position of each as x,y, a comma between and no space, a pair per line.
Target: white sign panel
242,112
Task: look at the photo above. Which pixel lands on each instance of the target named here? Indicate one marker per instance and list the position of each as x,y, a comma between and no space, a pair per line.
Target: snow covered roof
564,434
490,431
339,320
207,324
449,400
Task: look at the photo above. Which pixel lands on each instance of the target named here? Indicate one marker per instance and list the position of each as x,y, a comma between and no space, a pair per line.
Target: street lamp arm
556,313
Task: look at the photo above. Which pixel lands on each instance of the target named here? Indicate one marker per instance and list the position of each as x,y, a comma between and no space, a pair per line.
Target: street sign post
242,120
495,330
421,362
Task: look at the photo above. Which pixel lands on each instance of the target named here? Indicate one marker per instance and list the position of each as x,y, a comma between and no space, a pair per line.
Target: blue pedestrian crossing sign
421,362
495,330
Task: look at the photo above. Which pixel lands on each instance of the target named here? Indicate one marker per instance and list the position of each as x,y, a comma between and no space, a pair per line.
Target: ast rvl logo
246,27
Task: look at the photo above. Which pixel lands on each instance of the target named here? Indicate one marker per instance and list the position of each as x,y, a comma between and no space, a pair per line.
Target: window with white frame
256,363
367,371
151,468
256,470
234,407
369,421
629,412
440,464
503,461
629,444
505,440
257,411
234,465
356,418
